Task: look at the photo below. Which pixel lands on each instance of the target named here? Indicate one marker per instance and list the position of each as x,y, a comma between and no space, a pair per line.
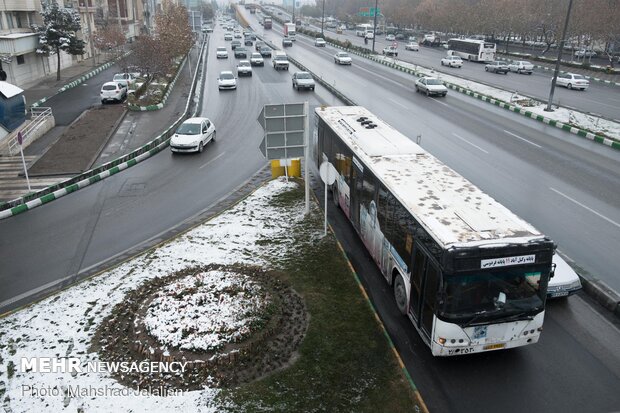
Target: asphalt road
562,184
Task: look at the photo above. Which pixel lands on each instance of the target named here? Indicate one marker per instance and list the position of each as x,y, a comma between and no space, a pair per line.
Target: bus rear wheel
400,294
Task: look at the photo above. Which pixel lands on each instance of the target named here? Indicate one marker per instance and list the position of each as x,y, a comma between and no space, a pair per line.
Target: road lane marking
472,144
212,160
398,103
586,207
441,103
523,139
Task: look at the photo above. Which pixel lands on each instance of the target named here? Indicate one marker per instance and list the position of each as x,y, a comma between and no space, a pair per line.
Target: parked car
244,68
113,91
226,80
521,66
265,51
496,67
585,53
431,86
390,38
303,80
287,42
257,60
241,52
565,280
126,79
235,44
192,135
319,42
342,58
412,46
228,37
390,51
452,61
572,81
221,53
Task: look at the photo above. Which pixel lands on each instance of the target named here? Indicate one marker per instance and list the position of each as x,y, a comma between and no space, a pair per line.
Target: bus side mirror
552,273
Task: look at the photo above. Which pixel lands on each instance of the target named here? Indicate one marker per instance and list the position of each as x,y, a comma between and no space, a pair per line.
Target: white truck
289,30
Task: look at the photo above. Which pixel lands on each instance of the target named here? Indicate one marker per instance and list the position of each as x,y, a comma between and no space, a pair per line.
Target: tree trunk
58,63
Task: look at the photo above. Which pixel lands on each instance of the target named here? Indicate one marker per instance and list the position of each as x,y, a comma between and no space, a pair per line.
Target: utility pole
293,19
557,63
374,29
90,35
323,20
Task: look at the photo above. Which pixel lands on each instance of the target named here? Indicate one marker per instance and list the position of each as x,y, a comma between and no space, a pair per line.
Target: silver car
431,86
521,66
303,80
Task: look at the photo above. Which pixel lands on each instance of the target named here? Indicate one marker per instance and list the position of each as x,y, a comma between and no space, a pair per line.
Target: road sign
20,138
284,130
328,173
369,11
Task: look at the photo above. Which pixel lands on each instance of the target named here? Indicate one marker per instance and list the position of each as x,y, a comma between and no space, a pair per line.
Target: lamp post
323,20
293,19
557,63
374,29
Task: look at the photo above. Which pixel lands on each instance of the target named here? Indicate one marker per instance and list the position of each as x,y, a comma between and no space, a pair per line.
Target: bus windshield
493,294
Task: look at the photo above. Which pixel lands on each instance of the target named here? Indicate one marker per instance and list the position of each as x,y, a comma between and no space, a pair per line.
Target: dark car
235,44
248,42
265,51
286,42
258,45
241,52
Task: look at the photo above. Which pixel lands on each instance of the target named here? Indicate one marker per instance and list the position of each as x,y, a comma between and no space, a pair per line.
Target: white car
257,60
572,81
319,42
452,61
585,53
431,86
228,37
390,38
342,58
303,80
193,135
114,91
127,79
412,46
565,280
221,53
244,68
226,80
370,35
238,35
521,66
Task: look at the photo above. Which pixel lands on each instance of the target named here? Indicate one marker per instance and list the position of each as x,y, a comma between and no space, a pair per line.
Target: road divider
165,98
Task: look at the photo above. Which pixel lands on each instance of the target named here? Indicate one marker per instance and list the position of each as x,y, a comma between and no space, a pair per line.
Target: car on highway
244,68
248,42
235,44
452,61
228,37
565,281
256,59
572,81
412,46
390,37
390,51
258,45
431,86
319,42
221,53
192,135
241,52
113,91
265,51
585,53
279,60
496,67
369,35
238,35
342,58
521,66
287,42
226,80
303,80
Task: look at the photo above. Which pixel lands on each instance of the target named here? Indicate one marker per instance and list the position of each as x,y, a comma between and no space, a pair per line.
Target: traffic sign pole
307,157
20,140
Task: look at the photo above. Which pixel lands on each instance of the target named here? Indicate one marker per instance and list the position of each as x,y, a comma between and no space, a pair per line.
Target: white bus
363,29
469,274
472,49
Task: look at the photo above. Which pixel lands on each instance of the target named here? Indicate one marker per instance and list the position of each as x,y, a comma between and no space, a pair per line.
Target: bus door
423,292
357,180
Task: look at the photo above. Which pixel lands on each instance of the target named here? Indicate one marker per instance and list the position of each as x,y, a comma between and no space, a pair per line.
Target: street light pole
374,29
557,63
323,20
293,19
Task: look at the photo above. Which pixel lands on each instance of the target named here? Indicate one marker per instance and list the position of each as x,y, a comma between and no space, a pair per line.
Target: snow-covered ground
566,116
63,325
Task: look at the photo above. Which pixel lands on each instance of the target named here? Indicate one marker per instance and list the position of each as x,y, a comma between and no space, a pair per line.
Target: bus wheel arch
400,292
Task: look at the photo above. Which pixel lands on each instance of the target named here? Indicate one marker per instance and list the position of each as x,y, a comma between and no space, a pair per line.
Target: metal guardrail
38,116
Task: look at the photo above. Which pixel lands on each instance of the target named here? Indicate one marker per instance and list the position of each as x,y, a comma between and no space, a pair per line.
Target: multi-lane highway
564,185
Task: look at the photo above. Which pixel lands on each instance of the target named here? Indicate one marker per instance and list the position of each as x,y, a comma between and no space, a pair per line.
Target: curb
163,101
602,293
568,128
92,176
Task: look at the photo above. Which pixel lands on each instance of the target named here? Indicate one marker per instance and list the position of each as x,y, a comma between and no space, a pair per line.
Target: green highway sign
369,11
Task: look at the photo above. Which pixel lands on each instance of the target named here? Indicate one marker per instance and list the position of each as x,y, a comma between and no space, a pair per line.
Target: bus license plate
494,346
559,294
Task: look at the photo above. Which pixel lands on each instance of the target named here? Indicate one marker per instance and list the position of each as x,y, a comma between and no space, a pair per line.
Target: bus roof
453,210
478,41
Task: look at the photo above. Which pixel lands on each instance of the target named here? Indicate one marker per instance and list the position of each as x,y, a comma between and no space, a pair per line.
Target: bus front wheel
400,294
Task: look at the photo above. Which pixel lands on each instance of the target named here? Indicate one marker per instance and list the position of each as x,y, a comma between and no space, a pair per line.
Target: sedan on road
303,80
565,280
390,37
452,61
585,53
412,46
287,42
497,67
244,68
342,58
193,135
241,52
265,51
390,51
572,81
235,44
319,42
521,66
431,86
114,91
221,53
257,60
228,37
226,80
